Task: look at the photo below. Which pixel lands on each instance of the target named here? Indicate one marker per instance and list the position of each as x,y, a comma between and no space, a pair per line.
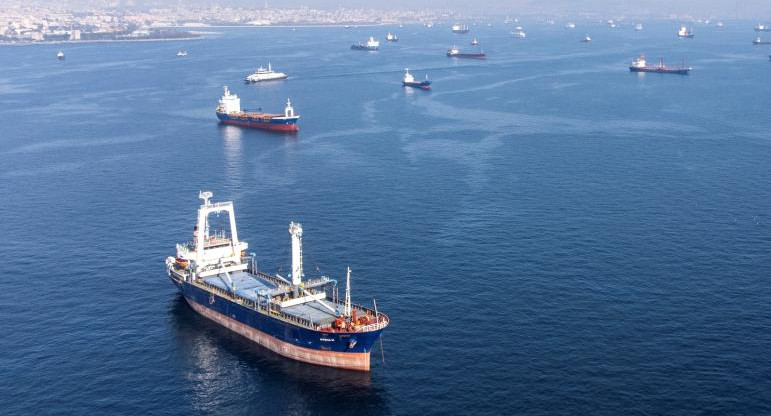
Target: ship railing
268,309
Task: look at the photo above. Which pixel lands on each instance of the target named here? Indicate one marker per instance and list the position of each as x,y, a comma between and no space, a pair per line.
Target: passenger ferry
460,29
265,74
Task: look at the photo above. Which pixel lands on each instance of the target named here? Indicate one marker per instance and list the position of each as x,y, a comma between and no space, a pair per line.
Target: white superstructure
229,103
372,43
639,62
209,253
407,76
265,74
684,32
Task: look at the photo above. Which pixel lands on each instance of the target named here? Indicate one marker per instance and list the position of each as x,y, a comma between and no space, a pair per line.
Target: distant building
75,34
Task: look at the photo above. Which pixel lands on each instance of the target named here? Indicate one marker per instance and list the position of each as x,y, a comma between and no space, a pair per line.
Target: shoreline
60,42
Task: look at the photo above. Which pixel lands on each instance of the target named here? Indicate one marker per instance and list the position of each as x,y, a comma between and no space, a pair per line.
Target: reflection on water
233,147
225,369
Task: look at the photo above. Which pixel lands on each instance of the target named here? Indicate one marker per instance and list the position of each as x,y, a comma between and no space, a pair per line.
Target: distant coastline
70,42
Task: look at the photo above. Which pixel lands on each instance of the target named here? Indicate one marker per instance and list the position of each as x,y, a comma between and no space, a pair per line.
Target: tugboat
229,112
454,52
371,45
460,29
409,81
60,56
762,28
474,42
262,74
301,319
759,41
182,53
640,65
684,32
586,39
391,37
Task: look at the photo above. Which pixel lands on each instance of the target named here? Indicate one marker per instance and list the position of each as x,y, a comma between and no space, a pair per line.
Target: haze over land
745,9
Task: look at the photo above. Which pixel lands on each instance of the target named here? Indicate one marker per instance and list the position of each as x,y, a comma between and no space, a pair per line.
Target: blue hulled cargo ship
641,65
409,81
229,112
300,319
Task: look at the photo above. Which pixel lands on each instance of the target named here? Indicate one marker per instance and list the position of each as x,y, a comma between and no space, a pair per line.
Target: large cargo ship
454,52
759,41
229,112
684,32
371,45
641,65
304,320
409,81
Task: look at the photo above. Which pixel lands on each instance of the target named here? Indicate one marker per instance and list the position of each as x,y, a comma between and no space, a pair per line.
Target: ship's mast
295,229
347,310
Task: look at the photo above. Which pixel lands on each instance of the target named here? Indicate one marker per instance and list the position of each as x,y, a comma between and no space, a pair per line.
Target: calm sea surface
550,233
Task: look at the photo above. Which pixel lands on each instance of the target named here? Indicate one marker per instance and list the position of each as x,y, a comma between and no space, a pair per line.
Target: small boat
60,56
611,24
390,37
454,52
640,65
474,42
638,27
759,41
371,45
182,53
719,24
762,28
459,28
570,25
586,39
263,74
409,81
684,32
519,34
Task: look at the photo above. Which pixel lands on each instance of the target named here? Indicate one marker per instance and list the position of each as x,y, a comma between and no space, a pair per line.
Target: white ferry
263,74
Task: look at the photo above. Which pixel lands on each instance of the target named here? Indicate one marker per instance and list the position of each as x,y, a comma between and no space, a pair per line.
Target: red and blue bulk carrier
229,112
302,319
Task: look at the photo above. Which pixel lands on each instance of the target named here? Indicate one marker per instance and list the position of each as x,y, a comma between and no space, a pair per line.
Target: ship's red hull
291,128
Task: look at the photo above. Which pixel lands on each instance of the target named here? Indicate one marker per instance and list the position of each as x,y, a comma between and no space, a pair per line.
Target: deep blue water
549,233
